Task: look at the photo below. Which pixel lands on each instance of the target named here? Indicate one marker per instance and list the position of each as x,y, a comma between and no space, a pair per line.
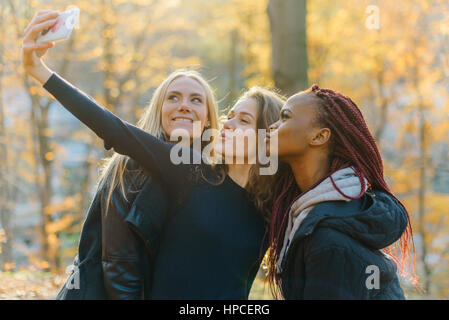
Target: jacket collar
376,220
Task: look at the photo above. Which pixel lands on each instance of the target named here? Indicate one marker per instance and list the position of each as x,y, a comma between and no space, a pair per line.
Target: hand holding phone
63,27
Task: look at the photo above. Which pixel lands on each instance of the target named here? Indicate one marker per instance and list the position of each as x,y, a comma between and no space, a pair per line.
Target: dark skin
302,142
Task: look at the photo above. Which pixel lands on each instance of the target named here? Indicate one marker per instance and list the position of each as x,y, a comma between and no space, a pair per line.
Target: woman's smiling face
184,103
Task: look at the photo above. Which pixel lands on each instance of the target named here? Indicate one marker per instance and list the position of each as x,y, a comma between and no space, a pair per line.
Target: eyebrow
179,93
246,113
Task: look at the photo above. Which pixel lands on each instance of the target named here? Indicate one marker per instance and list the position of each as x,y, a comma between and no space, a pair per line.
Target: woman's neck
239,173
309,169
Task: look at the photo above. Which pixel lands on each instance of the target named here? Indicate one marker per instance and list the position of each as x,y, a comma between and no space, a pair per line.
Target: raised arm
150,152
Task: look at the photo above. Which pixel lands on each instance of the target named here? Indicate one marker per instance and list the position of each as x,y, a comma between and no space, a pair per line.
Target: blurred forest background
396,69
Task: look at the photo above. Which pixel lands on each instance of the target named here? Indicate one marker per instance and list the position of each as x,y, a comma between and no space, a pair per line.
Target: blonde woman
212,243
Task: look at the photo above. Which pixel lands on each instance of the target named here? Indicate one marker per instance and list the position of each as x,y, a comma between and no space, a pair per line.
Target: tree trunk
233,72
383,105
7,193
289,45
422,197
423,183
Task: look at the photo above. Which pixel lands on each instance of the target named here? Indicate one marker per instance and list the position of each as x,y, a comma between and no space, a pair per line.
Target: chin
218,150
187,127
288,156
186,130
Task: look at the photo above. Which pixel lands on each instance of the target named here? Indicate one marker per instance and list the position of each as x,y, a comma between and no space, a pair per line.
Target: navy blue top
212,243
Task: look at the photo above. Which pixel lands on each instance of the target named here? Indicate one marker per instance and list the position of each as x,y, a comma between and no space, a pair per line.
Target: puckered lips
267,136
224,136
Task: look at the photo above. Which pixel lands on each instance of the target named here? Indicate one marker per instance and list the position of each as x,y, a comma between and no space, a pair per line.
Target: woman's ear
321,137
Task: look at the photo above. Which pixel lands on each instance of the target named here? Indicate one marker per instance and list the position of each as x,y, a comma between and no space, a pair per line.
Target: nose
273,126
184,107
227,125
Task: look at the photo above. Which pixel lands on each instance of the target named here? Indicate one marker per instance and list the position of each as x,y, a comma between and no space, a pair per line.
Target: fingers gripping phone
62,29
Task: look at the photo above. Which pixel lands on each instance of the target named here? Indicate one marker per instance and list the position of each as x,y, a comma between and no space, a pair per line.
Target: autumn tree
8,192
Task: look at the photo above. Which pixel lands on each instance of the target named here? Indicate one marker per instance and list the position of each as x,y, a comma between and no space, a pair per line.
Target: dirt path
29,286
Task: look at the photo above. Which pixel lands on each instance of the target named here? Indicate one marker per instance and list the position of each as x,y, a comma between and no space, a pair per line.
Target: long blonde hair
116,171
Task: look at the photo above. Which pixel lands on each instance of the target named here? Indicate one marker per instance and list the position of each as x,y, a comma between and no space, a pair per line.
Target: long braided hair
351,144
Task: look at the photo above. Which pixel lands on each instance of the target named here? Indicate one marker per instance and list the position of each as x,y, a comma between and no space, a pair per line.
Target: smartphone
63,27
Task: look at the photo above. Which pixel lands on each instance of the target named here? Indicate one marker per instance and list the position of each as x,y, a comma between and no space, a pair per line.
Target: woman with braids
211,244
332,240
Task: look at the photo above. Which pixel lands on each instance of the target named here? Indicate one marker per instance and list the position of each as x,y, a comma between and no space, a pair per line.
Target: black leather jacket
130,234
117,248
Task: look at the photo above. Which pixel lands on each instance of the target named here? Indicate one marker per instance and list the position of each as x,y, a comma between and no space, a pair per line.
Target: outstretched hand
32,52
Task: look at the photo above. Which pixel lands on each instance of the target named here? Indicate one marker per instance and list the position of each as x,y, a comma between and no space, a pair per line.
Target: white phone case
63,27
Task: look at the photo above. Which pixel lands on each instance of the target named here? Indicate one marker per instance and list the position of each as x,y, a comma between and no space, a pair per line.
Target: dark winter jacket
130,239
117,247
335,253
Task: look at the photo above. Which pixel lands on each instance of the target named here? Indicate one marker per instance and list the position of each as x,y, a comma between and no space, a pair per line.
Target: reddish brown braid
353,145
